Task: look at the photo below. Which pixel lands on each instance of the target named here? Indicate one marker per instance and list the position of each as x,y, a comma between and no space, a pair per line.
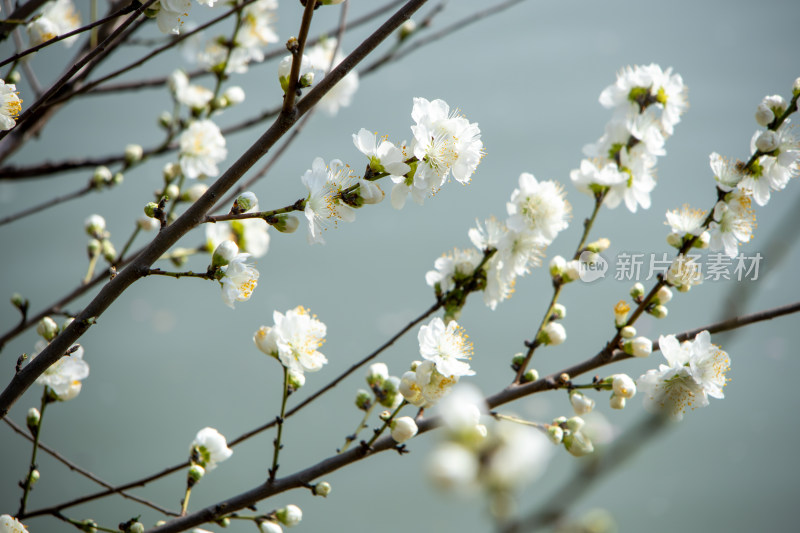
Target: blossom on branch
294,340
10,105
202,146
64,376
210,447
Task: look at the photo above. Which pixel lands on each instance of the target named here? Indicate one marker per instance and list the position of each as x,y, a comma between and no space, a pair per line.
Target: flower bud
637,291
109,252
88,526
285,223
776,103
224,253
233,95
165,119
67,322
572,270
94,247
14,77
557,266
675,240
245,202
659,311
600,245
390,393
768,141
172,191
702,241
796,87
578,444
136,527
95,226
623,386
133,153
628,332
377,373
32,419
296,380
323,488
621,311
530,375
47,328
171,171
195,474
581,403
638,347
663,295
223,522
555,434
385,415
617,402
269,526
764,115
363,399
575,424
101,176
553,334
33,477
559,311
517,360
150,209
289,516
403,429
406,30
18,301
147,223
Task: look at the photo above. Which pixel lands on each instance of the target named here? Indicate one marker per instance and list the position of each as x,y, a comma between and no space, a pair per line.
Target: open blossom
694,371
686,221
733,223
193,96
202,146
171,15
684,273
444,143
10,105
294,339
772,172
64,376
239,280
9,524
445,346
538,207
211,447
727,173
383,156
57,18
324,184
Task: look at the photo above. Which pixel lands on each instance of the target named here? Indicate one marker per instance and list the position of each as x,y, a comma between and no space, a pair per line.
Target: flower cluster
294,340
694,371
647,103
537,212
443,349
475,452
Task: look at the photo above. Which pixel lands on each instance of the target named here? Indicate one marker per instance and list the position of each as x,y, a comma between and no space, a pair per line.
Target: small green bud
89,526
47,328
95,226
377,373
557,266
323,488
244,202
284,223
67,322
152,11
101,176
575,424
578,444
94,247
18,301
296,380
195,474
702,241
659,311
165,120
109,252
136,527
118,178
219,103
637,291
363,399
32,419
517,360
150,209
796,87
406,30
414,365
34,477
530,375
223,522
133,153
14,77
555,434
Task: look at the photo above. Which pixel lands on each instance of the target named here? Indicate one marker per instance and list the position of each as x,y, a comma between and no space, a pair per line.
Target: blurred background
168,358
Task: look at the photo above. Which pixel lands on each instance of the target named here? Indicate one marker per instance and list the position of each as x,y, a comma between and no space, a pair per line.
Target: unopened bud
150,209
33,477
578,444
385,415
553,334
133,153
659,311
296,380
530,375
88,526
377,373
171,171
621,311
702,241
623,386
637,291
289,516
768,141
764,115
109,252
517,360
14,77
245,202
555,434
47,328
575,424
32,419
675,240
285,223
323,488
663,295
172,191
572,271
403,429
101,176
796,87
193,193
233,95
557,266
600,245
95,226
67,322
18,301
94,247
224,253
638,347
406,30
617,402
363,399
165,119
559,311
147,223
195,474
136,527
628,332
581,403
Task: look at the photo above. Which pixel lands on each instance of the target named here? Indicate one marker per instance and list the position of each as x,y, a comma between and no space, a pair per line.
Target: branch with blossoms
481,446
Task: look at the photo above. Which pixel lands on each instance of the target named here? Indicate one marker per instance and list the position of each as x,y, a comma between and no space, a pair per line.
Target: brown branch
74,467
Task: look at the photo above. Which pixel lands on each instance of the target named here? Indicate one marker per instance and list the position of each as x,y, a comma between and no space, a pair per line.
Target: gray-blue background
168,358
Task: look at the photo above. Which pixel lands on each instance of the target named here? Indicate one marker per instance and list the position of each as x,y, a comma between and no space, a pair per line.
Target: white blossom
211,447
9,524
538,207
64,376
452,267
10,105
294,339
733,223
324,183
202,146
239,280
322,59
694,371
445,346
403,429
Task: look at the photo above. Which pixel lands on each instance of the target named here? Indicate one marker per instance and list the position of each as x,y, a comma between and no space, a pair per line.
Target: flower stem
185,500
90,271
516,420
386,423
363,424
277,442
26,488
